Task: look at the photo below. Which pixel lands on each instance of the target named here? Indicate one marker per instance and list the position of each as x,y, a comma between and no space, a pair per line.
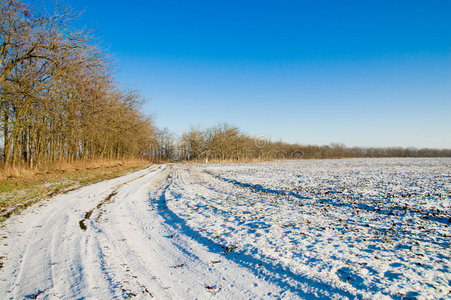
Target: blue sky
365,73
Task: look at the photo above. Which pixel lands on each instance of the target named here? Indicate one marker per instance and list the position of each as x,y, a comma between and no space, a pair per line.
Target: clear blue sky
365,73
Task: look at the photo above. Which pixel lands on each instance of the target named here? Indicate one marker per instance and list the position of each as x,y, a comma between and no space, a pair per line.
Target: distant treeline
228,143
59,101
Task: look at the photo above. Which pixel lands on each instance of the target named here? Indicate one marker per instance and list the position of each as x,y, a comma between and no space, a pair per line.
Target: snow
359,228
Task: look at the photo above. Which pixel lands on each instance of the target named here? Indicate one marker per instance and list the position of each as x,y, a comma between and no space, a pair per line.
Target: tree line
228,143
59,100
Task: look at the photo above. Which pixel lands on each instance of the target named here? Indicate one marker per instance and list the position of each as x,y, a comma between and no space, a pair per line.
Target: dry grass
61,167
21,187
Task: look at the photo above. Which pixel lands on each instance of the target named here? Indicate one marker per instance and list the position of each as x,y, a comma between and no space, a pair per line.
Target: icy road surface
375,228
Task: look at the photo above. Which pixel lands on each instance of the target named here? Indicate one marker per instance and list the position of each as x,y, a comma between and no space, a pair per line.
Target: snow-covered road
238,232
116,239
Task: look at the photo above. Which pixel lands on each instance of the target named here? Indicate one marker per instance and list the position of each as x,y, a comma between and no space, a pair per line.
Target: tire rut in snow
89,213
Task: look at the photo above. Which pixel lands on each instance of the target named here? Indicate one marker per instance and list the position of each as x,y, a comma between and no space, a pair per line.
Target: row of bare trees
58,99
228,143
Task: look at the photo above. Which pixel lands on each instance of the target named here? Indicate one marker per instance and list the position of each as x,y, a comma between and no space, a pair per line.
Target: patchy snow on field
362,227
339,229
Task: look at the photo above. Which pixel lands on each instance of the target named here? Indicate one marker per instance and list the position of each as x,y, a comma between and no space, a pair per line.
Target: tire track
48,247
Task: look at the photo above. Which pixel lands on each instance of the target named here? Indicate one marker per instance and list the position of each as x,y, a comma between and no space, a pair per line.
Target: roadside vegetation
20,188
